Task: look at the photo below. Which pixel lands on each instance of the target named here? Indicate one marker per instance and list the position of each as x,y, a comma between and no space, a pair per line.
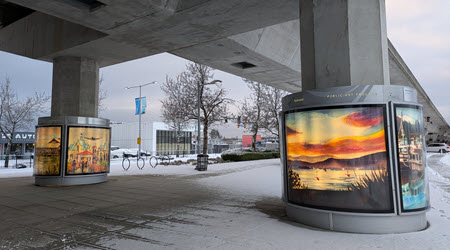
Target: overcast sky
420,31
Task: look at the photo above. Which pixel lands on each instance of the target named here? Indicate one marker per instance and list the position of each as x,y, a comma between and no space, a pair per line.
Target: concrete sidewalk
127,212
235,208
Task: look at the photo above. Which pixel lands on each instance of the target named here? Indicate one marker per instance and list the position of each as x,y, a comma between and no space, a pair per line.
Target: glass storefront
167,142
22,144
16,149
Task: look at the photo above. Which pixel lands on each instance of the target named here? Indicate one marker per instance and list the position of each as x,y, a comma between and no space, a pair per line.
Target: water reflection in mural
48,151
88,150
336,158
409,125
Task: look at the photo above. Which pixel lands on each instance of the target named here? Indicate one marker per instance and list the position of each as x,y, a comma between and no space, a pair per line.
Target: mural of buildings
410,156
88,150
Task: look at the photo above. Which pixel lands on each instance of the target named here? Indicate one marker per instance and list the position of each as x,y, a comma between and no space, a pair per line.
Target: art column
353,147
72,145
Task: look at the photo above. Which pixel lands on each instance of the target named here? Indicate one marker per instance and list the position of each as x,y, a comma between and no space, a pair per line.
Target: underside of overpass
255,39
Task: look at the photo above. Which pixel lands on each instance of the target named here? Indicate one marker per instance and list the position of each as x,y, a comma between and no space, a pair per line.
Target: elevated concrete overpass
256,39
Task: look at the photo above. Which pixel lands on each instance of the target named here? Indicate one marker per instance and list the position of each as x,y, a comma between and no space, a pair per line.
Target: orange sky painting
349,133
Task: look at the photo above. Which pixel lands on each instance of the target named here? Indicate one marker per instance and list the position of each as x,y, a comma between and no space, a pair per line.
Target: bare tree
252,109
260,111
272,106
213,101
172,112
17,114
215,134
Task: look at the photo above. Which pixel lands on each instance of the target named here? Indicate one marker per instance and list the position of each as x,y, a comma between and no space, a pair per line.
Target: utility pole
139,140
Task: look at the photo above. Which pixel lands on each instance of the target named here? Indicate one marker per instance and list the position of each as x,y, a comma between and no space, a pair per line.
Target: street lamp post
198,110
140,111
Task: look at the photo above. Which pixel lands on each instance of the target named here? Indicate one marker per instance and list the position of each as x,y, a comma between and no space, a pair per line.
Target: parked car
118,153
438,147
135,150
113,148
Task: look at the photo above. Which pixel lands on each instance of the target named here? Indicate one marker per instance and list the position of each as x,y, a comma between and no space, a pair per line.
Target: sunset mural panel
88,150
47,151
409,127
336,158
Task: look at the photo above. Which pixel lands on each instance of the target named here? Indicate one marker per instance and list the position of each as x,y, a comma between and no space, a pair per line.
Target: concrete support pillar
75,87
343,42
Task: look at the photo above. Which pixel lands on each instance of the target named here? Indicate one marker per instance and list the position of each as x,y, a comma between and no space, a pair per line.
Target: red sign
247,140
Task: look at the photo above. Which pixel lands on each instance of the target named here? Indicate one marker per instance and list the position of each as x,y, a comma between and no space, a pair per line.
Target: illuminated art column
354,159
73,144
71,151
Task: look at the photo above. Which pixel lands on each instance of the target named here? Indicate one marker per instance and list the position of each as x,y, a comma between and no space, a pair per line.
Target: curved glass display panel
88,150
410,153
47,155
337,158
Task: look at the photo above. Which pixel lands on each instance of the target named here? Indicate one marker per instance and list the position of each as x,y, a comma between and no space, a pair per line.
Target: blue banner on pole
141,105
144,104
138,106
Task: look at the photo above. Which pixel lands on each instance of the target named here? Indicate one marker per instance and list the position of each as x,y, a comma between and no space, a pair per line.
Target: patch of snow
182,170
446,159
15,172
262,181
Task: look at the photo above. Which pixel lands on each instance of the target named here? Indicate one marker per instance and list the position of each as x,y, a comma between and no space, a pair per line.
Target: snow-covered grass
446,159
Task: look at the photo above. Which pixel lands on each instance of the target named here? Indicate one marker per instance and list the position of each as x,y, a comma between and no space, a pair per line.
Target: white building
156,137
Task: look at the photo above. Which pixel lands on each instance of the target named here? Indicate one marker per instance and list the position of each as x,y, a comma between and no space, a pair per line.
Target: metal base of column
70,181
70,178
357,223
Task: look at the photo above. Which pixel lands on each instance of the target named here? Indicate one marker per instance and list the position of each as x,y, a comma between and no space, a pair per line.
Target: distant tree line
16,113
179,108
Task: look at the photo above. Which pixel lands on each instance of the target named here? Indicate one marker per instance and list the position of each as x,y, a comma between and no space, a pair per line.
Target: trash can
202,162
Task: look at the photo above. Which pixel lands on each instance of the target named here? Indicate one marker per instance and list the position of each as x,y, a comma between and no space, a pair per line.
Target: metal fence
17,161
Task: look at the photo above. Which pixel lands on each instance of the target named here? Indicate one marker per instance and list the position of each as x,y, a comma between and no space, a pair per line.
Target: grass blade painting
409,126
336,158
88,150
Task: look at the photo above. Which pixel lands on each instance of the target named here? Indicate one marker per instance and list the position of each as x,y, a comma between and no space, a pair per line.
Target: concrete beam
343,43
273,50
39,35
278,63
142,28
75,87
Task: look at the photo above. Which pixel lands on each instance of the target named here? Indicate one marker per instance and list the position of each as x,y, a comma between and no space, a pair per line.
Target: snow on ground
181,170
265,181
255,180
117,169
446,159
13,172
281,234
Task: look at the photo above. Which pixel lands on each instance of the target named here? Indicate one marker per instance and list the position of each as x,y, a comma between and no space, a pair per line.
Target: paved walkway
127,212
238,208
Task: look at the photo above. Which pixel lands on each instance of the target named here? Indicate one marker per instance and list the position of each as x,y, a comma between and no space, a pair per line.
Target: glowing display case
72,151
353,159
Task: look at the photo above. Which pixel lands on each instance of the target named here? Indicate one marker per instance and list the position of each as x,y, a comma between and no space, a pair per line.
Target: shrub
250,156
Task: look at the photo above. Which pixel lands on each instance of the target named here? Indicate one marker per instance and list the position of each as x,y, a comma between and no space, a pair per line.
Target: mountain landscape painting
336,159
